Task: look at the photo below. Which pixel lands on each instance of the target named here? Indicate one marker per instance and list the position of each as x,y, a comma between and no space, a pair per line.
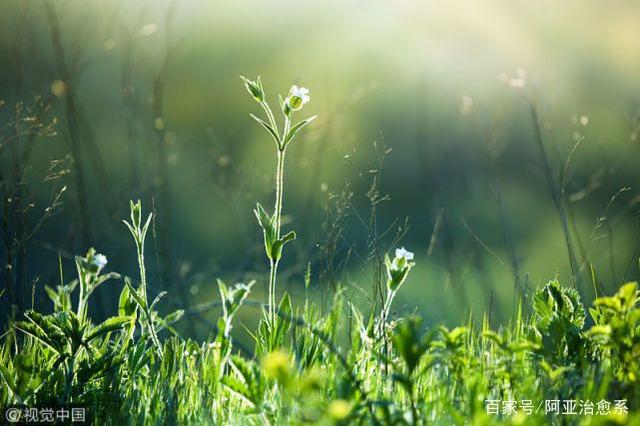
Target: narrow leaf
269,129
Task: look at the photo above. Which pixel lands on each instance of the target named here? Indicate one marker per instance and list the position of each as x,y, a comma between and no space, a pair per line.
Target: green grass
320,373
340,365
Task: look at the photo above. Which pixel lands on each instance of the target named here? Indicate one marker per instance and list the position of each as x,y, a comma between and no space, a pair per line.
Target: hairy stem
278,216
272,291
143,273
143,286
279,190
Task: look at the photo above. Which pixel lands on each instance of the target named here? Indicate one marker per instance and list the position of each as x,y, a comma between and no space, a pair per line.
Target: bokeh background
433,104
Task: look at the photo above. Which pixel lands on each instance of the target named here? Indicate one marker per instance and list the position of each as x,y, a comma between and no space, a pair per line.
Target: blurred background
498,140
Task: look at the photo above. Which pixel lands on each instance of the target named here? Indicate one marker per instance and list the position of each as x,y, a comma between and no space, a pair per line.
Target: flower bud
254,88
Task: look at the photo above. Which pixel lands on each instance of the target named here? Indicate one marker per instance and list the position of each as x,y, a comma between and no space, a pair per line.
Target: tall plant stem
279,190
143,273
272,291
147,311
278,219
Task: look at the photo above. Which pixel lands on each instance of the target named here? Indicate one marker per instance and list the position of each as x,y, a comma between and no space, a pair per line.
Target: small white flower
100,260
301,92
298,96
403,253
398,268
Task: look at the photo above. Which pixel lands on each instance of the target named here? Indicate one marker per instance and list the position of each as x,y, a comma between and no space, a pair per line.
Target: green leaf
267,224
238,388
174,316
284,107
134,293
136,213
254,88
599,330
44,329
238,294
264,219
109,325
269,129
276,248
457,333
409,342
628,295
131,229
37,333
295,129
143,233
157,299
126,303
612,303
9,380
283,321
492,335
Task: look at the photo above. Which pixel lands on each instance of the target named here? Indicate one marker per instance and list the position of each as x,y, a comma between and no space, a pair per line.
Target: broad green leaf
109,325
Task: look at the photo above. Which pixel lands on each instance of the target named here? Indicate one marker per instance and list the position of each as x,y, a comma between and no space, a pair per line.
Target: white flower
301,92
403,253
298,96
100,260
398,269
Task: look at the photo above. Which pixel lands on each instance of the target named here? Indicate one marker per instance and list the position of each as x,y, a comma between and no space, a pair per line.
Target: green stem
81,303
152,330
278,216
143,286
279,190
270,116
68,384
383,323
414,408
143,278
272,292
386,308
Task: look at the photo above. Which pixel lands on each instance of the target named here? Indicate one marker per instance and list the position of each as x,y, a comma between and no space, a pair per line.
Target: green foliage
616,333
313,365
300,373
272,243
409,344
270,224
558,320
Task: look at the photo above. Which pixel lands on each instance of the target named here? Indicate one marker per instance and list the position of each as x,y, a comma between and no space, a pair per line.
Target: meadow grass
339,365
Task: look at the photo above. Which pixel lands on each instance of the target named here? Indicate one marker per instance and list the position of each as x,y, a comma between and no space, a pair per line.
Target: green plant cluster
341,365
319,375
